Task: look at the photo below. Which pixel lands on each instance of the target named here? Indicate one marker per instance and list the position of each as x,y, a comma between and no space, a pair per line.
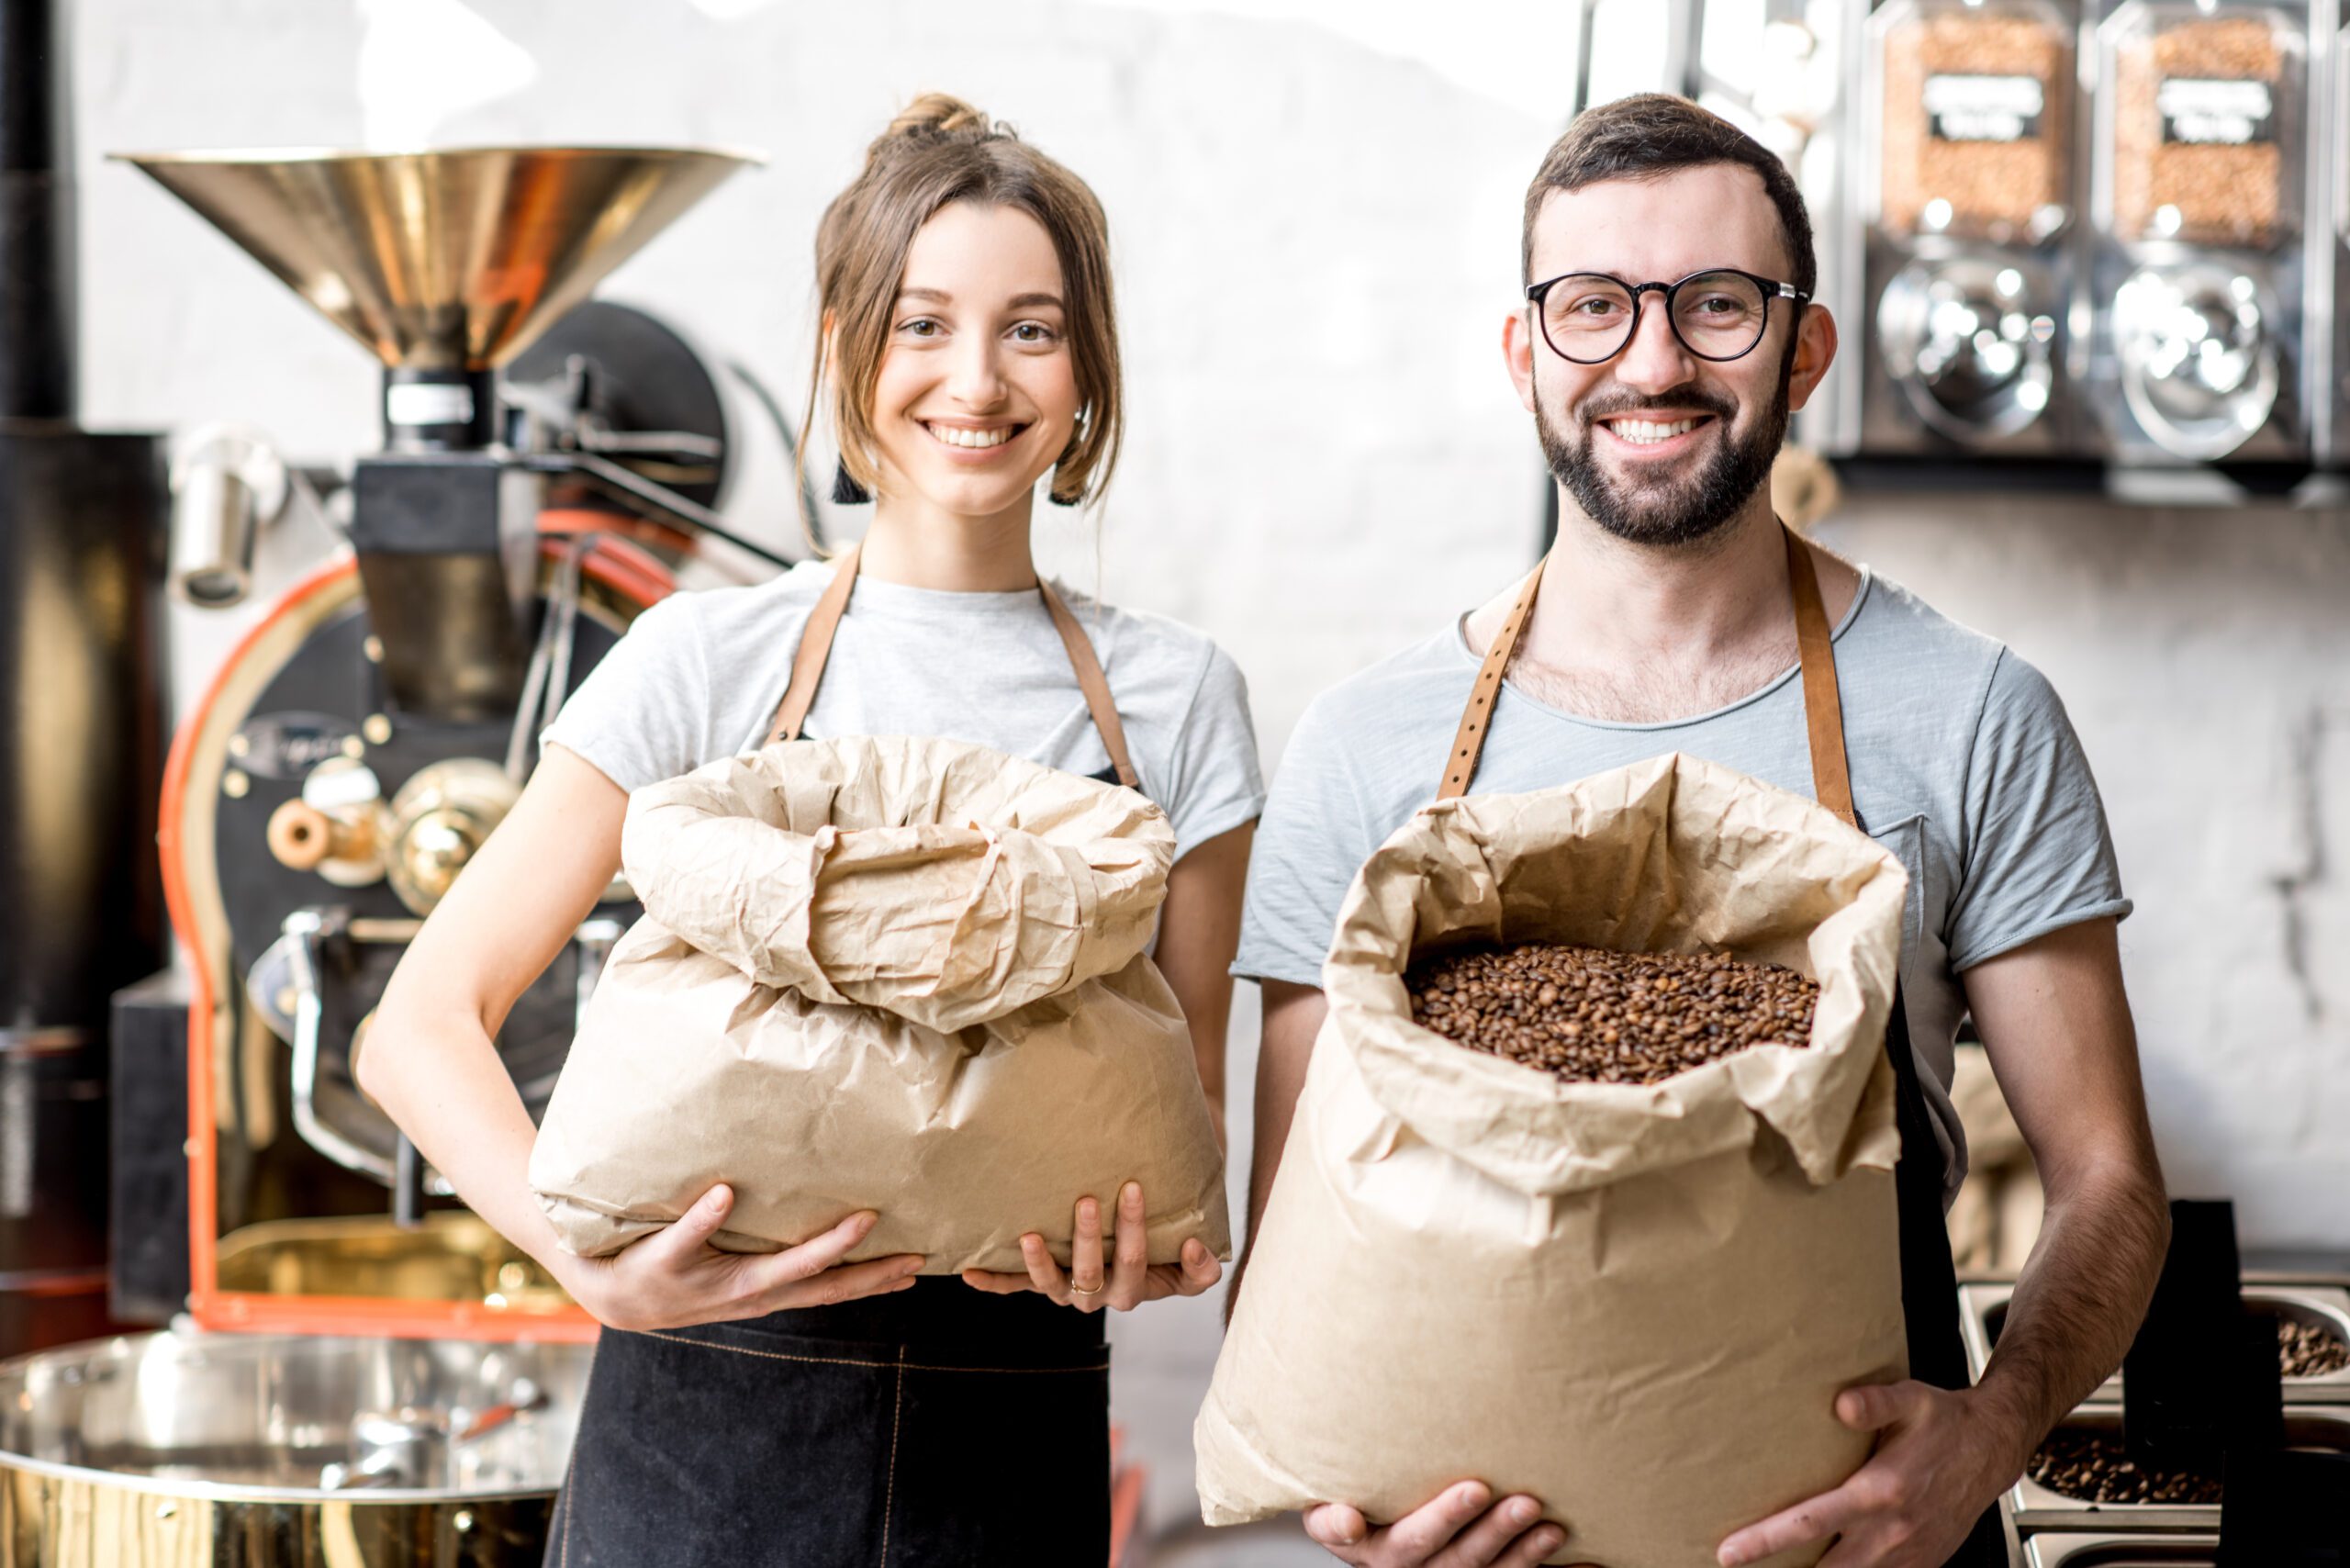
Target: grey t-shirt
1962,762
699,676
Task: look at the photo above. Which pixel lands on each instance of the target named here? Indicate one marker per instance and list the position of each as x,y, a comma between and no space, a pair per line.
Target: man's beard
1670,510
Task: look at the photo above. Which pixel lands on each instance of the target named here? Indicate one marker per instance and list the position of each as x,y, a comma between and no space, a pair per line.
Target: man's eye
1595,304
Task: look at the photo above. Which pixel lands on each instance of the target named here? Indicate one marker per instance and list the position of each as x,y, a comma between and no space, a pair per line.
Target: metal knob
439,819
2200,364
1969,339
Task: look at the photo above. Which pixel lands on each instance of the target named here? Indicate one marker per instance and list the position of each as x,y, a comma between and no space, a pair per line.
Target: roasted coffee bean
2094,1468
2166,187
1590,1015
1960,152
2305,1350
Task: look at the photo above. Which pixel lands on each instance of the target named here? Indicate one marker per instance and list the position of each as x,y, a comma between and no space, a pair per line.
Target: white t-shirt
698,676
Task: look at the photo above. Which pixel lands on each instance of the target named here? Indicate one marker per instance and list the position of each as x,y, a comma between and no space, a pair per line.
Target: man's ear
1815,351
1517,354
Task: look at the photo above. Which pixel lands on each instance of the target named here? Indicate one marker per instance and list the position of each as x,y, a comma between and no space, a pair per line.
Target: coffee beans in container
1591,1015
2304,1349
2093,1467
1976,107
2204,108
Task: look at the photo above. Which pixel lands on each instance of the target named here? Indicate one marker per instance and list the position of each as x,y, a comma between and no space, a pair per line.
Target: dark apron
1929,1278
937,1425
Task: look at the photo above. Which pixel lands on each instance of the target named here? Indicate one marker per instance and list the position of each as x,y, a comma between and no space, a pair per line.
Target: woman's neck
919,545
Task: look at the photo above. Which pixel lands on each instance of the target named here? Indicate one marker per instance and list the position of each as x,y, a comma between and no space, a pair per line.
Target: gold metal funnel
446,260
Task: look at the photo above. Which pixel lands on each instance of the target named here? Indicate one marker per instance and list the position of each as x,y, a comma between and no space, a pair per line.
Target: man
1667,335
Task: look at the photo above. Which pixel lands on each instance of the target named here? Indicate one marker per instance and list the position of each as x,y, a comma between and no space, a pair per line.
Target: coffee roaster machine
545,463
358,1371
2081,245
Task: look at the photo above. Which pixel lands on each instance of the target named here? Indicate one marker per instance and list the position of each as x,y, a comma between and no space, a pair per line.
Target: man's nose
1655,360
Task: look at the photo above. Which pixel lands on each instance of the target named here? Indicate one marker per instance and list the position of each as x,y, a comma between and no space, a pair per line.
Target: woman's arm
431,1065
1198,930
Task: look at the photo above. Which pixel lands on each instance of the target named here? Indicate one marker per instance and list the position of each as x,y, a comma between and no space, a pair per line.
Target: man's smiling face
1656,445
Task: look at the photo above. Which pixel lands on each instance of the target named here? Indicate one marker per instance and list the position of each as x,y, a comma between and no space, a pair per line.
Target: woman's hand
675,1277
1463,1528
1131,1280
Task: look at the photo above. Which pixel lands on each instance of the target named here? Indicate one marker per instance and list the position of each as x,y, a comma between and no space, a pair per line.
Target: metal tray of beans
2312,1336
2071,1549
2035,1506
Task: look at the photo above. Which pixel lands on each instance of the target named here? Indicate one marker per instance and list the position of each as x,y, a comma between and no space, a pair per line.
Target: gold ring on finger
1076,1289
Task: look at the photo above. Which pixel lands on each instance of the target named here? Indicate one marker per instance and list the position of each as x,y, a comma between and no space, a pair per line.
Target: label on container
1983,108
2204,111
412,403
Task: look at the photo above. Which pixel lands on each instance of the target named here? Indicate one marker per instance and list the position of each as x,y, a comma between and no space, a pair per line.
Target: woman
787,1408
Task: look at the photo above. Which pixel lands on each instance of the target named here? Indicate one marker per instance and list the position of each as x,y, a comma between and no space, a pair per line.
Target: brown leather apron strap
1831,779
1469,741
815,649
1094,683
1823,704
824,623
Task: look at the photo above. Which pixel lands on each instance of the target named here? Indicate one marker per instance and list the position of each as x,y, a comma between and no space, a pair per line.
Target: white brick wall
1316,241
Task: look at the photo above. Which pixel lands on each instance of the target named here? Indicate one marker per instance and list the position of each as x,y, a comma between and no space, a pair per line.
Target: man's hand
1942,1459
675,1277
1464,1528
1131,1278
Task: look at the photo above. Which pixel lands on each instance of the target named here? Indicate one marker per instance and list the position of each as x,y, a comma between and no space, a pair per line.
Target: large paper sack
902,975
1635,1303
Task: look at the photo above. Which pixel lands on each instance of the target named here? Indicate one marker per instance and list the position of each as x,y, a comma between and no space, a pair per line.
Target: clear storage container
2202,124
1973,117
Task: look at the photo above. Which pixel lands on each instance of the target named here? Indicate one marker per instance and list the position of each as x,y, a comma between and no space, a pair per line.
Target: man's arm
1293,1015
2056,1025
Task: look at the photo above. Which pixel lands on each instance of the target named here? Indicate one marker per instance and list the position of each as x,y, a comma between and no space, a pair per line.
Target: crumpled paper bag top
946,883
1672,854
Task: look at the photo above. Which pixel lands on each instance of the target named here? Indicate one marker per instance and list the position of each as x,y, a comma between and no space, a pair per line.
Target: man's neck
1646,634
1606,602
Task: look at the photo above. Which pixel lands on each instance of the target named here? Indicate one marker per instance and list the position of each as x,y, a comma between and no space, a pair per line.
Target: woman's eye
921,327
1034,332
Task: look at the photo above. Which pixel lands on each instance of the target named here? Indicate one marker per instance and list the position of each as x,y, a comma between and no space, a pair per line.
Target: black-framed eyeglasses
1719,314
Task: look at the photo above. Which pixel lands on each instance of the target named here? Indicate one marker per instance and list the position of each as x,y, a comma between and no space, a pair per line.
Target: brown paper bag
902,975
1634,1303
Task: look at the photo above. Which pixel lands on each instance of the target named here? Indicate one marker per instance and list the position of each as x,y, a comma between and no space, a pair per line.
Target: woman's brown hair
941,150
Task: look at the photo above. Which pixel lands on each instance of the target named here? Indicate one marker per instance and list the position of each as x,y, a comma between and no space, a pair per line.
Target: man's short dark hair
1649,134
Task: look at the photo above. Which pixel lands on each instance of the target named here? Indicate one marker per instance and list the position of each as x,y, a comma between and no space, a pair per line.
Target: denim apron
1928,1277
933,1425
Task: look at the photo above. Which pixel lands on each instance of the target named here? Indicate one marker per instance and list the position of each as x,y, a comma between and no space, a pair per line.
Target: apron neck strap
1823,705
824,623
1831,781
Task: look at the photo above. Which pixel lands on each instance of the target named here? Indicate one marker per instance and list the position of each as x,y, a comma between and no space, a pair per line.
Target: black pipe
83,521
38,284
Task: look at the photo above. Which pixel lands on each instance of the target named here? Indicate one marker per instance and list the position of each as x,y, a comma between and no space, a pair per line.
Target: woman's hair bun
937,112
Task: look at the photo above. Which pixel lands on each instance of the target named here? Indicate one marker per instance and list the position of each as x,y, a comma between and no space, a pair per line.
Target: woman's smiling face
977,396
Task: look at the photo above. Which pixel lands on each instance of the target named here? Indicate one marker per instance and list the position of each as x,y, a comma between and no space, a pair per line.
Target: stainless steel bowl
2036,1507
1983,1308
283,1451
1970,341
2199,363
2069,1548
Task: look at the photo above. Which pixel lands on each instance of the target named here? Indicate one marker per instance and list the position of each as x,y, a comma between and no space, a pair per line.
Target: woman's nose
974,378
